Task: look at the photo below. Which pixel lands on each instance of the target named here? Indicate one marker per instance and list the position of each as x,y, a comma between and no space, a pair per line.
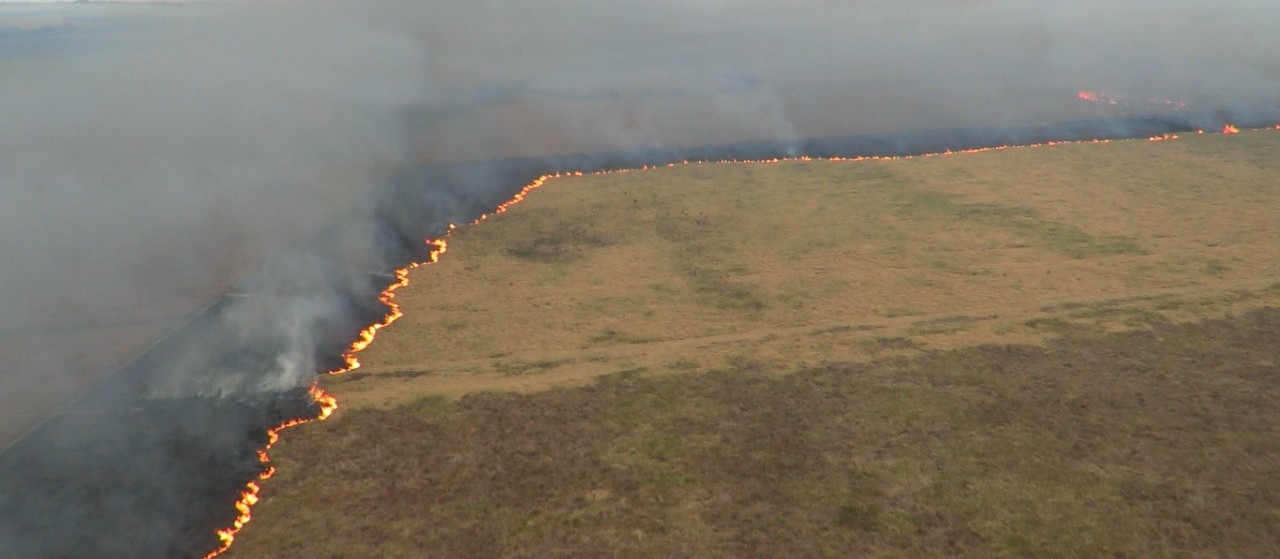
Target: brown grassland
1070,351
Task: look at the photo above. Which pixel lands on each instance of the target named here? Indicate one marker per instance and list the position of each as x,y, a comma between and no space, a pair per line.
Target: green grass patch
430,402
514,368
560,245
610,335
660,446
859,516
716,287
885,343
683,365
1027,223
895,312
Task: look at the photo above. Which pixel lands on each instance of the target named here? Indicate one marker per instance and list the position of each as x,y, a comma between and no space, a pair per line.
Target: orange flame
388,296
1230,129
1124,100
327,403
250,495
1095,97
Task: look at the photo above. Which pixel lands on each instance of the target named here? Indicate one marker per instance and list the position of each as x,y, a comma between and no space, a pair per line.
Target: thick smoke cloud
154,158
148,169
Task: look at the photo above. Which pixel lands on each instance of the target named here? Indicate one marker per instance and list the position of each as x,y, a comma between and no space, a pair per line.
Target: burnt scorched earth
148,481
145,465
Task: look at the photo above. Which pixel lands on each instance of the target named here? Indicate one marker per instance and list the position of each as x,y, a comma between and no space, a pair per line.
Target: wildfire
327,403
250,495
1094,98
1126,101
526,189
437,247
388,296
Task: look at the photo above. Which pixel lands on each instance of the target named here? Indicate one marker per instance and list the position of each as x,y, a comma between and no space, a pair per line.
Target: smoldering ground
154,159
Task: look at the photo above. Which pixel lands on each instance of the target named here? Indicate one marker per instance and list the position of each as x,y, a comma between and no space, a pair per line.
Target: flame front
1092,97
437,247
1101,98
250,495
327,402
350,362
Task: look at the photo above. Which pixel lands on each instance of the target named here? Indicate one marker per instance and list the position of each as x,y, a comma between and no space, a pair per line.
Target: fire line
327,402
249,496
1101,98
439,246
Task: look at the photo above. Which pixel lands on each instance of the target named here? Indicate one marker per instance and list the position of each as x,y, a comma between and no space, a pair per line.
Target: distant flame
1095,97
1126,101
1230,129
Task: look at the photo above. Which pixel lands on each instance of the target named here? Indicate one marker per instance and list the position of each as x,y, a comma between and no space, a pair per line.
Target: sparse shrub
683,365
859,516
606,335
432,402
560,245
660,446
1214,268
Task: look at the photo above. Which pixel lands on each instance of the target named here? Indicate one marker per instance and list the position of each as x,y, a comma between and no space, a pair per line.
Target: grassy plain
1040,352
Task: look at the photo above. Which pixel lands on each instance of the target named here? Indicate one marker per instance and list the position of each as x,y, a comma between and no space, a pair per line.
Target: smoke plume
201,200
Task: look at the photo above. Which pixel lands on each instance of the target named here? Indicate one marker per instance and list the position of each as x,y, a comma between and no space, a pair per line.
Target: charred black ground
137,470
75,489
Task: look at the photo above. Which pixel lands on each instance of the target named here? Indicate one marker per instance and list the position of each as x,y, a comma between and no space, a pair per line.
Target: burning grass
1052,352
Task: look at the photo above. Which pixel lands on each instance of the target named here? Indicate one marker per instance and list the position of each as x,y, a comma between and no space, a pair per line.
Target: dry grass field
1067,351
